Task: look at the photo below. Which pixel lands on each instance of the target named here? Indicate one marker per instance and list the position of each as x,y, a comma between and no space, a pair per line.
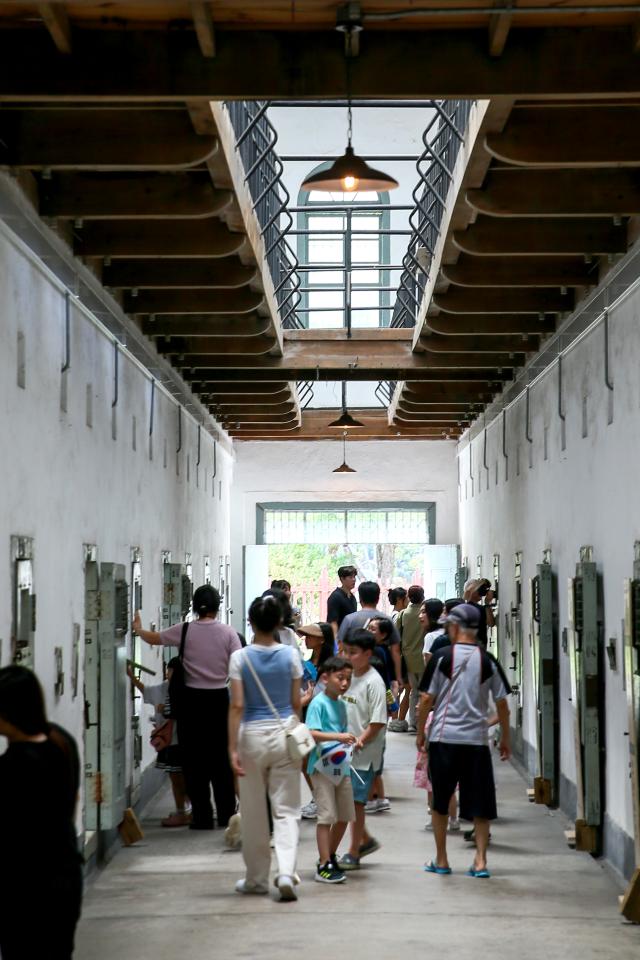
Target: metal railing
256,140
442,141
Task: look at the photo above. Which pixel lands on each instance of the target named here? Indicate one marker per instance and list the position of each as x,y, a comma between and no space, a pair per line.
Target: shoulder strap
185,627
267,699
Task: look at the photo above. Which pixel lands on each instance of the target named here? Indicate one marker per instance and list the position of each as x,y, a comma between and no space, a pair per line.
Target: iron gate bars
442,140
256,140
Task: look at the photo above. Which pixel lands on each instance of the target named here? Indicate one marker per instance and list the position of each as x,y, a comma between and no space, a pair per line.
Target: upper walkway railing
256,140
442,140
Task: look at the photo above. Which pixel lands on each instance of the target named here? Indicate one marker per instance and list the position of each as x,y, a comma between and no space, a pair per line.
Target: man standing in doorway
342,601
458,683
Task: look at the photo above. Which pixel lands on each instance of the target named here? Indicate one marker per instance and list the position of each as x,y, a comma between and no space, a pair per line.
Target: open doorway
390,543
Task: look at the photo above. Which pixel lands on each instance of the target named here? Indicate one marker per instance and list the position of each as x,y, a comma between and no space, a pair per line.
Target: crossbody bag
298,737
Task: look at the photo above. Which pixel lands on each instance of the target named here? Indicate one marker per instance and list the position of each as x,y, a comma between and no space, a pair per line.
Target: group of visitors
228,722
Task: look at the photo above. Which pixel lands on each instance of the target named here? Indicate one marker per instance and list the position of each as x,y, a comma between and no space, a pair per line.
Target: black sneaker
327,873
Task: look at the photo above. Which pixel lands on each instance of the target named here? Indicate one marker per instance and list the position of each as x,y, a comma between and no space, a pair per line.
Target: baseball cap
311,630
465,614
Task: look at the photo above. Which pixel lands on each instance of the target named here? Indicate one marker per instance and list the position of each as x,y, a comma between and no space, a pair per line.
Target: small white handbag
298,737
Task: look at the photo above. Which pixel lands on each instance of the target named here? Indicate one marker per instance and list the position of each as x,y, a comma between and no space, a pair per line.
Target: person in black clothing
41,873
342,601
475,591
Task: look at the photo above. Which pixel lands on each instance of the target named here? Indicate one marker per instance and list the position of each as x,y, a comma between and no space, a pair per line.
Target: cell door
112,633
23,626
91,692
515,659
545,682
136,702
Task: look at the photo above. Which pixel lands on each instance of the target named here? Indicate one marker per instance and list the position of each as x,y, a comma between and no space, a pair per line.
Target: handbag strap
185,627
262,689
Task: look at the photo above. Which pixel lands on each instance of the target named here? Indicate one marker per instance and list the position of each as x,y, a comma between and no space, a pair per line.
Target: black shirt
482,626
38,789
339,605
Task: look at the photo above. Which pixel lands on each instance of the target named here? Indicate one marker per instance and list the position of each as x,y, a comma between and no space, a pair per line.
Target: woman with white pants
258,751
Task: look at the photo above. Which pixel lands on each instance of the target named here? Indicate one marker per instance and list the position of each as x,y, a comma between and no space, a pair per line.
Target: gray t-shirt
360,619
461,681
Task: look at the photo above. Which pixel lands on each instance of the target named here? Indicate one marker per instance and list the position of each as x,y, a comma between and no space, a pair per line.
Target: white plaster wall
299,471
66,484
586,494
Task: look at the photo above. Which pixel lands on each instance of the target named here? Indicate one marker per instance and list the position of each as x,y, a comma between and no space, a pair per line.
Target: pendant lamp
349,173
344,466
345,421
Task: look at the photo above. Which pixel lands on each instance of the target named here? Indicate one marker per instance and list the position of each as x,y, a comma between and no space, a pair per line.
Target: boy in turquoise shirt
327,720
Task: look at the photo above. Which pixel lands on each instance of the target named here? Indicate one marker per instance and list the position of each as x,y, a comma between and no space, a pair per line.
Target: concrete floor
171,896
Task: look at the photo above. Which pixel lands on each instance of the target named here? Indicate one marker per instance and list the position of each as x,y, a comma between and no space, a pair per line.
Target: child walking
169,757
327,721
367,717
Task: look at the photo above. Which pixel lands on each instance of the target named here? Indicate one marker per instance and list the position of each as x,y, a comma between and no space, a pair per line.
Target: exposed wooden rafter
56,20
203,22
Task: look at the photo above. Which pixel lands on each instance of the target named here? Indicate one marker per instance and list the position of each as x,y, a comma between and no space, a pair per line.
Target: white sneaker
383,805
309,811
454,825
286,888
372,806
247,886
398,726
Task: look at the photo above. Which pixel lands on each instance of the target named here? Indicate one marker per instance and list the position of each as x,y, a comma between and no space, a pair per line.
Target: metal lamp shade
345,422
347,174
344,468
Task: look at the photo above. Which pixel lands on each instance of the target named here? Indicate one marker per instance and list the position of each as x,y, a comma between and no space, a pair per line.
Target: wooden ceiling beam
501,300
251,349
207,325
528,236
587,135
219,273
159,65
521,272
260,419
493,344
450,409
488,325
100,139
240,300
113,196
203,23
247,387
521,192
204,369
229,409
432,418
499,26
139,238
56,20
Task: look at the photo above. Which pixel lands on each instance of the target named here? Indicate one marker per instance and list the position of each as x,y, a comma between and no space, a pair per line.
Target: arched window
343,250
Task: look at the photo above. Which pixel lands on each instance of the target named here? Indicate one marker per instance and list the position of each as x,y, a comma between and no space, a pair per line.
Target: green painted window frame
317,506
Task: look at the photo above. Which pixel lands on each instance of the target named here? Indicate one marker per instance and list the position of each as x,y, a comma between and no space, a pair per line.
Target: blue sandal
434,868
478,874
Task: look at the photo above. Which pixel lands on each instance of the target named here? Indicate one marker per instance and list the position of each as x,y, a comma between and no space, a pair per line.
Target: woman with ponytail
202,709
258,750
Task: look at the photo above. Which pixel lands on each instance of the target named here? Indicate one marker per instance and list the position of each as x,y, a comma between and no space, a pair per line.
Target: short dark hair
385,625
416,594
265,613
22,700
348,571
395,594
333,664
368,591
361,638
280,584
453,602
206,600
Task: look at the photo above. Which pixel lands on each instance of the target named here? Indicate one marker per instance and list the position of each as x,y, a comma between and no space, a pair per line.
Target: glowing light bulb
350,183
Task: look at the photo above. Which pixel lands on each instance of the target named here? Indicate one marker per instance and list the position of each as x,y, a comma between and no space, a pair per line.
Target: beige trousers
268,770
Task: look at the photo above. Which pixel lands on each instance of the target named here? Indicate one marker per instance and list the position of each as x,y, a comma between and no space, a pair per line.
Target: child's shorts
362,781
334,800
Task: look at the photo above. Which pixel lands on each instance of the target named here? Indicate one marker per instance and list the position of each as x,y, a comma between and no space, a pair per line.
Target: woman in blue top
258,751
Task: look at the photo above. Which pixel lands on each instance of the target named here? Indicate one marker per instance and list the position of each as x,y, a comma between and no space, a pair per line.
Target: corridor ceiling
111,117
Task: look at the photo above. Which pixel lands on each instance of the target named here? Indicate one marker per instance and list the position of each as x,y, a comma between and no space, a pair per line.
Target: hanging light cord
347,66
349,123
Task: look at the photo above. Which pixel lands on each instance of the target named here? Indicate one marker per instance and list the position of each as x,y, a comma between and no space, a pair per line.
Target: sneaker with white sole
454,825
286,887
398,726
348,862
369,847
233,833
372,806
248,887
384,804
309,811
